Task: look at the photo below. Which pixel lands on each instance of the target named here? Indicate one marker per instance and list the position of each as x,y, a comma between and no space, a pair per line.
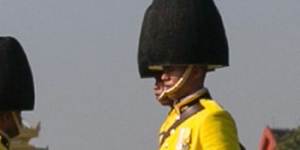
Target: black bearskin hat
16,81
180,32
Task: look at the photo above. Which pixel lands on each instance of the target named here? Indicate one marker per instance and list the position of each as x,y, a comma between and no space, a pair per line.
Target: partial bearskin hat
16,81
182,32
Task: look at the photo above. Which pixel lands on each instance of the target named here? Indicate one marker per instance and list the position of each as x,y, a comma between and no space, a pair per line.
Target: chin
165,102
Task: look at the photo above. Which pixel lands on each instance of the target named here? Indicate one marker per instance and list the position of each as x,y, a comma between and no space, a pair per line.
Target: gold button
172,131
166,146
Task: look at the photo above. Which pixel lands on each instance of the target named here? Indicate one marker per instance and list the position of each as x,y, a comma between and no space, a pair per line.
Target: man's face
171,75
167,79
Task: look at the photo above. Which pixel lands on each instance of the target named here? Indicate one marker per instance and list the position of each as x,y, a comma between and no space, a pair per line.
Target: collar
190,99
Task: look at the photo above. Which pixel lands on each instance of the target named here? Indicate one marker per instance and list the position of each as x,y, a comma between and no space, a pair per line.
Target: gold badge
184,139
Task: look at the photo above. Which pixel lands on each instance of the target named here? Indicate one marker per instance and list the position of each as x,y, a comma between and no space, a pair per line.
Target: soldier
180,41
16,89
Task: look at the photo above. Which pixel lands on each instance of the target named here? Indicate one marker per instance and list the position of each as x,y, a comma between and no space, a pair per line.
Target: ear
2,117
5,117
199,73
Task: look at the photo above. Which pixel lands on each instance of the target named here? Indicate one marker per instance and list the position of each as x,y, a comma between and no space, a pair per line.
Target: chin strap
201,93
167,94
17,122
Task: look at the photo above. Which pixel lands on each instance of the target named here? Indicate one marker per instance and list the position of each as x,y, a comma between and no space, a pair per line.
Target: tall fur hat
16,81
180,32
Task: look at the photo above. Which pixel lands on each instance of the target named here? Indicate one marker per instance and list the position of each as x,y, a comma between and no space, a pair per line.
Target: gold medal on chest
184,139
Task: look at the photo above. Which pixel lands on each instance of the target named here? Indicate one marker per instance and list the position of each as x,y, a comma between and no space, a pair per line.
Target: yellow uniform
212,128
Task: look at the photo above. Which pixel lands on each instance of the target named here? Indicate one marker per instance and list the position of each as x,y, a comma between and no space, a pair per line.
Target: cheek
174,79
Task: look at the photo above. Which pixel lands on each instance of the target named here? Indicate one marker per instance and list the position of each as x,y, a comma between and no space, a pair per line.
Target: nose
164,76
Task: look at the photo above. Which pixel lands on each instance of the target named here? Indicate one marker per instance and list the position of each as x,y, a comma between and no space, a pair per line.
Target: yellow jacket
212,128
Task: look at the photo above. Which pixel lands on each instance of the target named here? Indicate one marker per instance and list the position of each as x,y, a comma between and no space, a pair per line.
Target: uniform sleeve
218,132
